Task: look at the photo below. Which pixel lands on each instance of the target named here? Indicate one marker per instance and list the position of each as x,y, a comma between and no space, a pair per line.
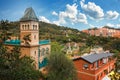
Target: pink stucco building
105,32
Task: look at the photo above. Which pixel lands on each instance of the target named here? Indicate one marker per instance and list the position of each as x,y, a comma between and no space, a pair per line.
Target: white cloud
118,25
72,15
113,25
71,11
59,22
42,18
110,25
54,13
92,10
112,15
82,18
91,26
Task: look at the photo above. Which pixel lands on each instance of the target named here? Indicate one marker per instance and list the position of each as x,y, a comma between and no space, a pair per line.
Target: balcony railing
100,68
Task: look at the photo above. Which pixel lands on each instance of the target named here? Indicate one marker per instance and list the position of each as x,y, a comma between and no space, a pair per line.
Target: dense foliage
60,67
14,67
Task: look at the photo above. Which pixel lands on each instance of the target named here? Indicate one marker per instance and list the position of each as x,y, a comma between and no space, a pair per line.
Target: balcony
108,66
96,70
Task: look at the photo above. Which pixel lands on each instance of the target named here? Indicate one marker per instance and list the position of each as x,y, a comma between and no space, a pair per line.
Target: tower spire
29,15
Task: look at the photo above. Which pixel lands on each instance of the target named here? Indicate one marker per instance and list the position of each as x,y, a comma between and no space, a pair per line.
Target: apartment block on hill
105,32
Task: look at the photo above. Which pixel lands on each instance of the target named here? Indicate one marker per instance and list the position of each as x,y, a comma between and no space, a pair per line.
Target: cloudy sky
79,14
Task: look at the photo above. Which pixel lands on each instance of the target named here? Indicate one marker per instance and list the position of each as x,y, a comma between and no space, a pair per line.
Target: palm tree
27,39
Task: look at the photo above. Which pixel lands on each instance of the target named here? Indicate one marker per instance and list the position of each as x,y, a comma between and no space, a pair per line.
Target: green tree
56,47
4,28
60,67
14,67
116,75
117,64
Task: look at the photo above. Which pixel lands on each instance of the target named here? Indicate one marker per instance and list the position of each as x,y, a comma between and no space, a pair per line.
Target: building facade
94,66
105,32
29,42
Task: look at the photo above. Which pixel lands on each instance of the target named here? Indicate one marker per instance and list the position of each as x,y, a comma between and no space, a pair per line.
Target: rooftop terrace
17,42
94,57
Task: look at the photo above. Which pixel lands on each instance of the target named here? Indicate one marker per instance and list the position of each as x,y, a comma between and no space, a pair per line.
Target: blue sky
79,14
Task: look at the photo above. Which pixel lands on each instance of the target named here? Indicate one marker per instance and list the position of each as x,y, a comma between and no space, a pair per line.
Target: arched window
35,37
47,50
28,26
43,52
23,27
35,53
39,53
36,27
33,27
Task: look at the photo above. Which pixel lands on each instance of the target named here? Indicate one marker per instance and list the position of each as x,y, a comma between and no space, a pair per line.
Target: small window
35,37
104,60
36,27
33,27
23,27
28,26
42,52
35,53
85,66
39,53
47,50
96,63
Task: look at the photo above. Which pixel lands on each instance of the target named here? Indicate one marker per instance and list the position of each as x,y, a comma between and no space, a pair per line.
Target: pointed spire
29,15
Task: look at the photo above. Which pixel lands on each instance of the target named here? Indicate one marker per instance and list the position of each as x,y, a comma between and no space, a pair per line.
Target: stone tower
29,35
29,28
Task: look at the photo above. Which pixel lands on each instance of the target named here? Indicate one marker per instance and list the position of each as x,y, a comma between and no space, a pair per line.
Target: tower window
35,53
23,27
34,36
28,26
34,27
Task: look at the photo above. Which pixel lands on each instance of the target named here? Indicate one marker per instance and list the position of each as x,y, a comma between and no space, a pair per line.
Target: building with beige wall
29,42
104,31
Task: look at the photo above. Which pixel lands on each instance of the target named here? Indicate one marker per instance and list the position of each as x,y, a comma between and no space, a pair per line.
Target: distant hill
58,33
48,31
62,35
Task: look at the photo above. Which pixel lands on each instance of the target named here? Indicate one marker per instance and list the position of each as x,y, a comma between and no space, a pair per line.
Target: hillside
58,34
46,31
